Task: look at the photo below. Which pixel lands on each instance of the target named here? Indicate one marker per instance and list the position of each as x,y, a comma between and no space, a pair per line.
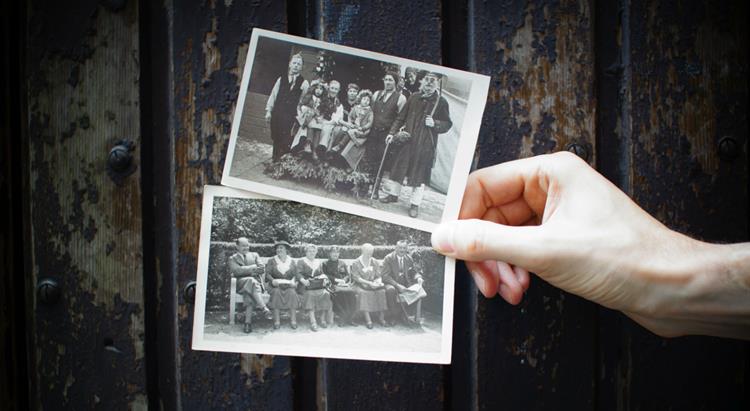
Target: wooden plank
688,90
411,30
540,56
82,81
14,375
210,41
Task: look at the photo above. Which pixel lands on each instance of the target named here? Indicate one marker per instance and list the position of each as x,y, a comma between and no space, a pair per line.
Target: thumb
480,240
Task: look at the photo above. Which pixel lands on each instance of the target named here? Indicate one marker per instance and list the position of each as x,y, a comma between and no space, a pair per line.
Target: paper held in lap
412,294
340,163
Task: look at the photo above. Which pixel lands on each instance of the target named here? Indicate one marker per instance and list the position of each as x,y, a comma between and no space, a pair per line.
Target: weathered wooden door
125,112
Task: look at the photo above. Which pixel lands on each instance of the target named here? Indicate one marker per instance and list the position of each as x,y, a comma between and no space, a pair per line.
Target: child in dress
358,127
308,117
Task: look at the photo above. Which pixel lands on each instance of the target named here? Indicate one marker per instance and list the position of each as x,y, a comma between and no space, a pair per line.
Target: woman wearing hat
312,283
281,274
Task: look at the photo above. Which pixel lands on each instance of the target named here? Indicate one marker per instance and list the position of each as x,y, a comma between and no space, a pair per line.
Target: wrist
701,289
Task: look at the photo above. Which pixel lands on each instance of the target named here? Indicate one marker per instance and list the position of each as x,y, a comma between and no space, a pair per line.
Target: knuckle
472,239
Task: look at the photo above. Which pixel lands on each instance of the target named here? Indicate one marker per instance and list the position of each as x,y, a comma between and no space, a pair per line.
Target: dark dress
283,114
414,160
283,297
344,295
314,296
385,113
370,299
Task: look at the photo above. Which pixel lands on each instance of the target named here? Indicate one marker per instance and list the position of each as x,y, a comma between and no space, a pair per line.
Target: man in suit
247,268
403,283
281,107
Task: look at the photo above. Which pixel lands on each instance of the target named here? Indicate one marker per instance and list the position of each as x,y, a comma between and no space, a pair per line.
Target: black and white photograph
285,278
354,131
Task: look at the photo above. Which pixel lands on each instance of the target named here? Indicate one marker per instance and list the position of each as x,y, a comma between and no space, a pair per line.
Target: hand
305,282
429,122
420,281
388,139
268,116
556,216
275,283
400,288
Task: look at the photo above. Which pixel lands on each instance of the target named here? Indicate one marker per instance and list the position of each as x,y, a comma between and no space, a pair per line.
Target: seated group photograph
326,291
286,278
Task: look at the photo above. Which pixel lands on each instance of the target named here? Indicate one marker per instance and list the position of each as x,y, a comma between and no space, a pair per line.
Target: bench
236,298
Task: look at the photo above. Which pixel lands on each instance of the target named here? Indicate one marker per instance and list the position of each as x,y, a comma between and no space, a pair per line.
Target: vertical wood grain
210,41
539,354
411,30
82,81
687,90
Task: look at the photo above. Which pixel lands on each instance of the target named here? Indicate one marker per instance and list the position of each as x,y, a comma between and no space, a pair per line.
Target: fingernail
442,239
479,280
504,292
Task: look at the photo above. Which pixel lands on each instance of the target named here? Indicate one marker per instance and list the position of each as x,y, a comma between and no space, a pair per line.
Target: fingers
497,277
479,240
504,183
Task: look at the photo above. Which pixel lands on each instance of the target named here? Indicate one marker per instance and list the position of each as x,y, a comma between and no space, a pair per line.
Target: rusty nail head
579,150
189,292
728,148
48,291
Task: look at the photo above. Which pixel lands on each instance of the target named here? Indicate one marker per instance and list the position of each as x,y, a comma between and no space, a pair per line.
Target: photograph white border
464,153
201,343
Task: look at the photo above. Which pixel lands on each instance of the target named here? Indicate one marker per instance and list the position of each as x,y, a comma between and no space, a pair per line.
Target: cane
380,169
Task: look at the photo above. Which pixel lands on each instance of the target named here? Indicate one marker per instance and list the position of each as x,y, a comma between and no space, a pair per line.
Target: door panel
210,43
540,55
82,73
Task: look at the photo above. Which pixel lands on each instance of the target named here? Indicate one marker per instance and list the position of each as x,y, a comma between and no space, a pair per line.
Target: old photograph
286,278
354,131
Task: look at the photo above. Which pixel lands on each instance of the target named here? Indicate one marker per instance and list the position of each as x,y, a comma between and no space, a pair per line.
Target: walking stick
380,169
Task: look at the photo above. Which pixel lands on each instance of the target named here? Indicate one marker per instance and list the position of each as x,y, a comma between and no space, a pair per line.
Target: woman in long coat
281,274
343,294
370,287
312,283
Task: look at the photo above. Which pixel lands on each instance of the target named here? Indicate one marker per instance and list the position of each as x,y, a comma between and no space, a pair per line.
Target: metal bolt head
579,150
189,292
728,148
48,291
119,158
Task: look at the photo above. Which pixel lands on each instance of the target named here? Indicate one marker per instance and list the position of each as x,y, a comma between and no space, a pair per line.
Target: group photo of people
328,291
288,275
350,128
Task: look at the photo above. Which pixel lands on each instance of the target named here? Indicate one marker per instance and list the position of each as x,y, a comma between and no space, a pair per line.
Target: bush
219,279
331,177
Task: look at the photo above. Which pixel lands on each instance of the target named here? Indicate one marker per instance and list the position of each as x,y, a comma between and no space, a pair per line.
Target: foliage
266,221
332,178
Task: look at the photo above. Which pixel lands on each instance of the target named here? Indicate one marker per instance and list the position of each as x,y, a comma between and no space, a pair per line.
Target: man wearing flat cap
425,116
